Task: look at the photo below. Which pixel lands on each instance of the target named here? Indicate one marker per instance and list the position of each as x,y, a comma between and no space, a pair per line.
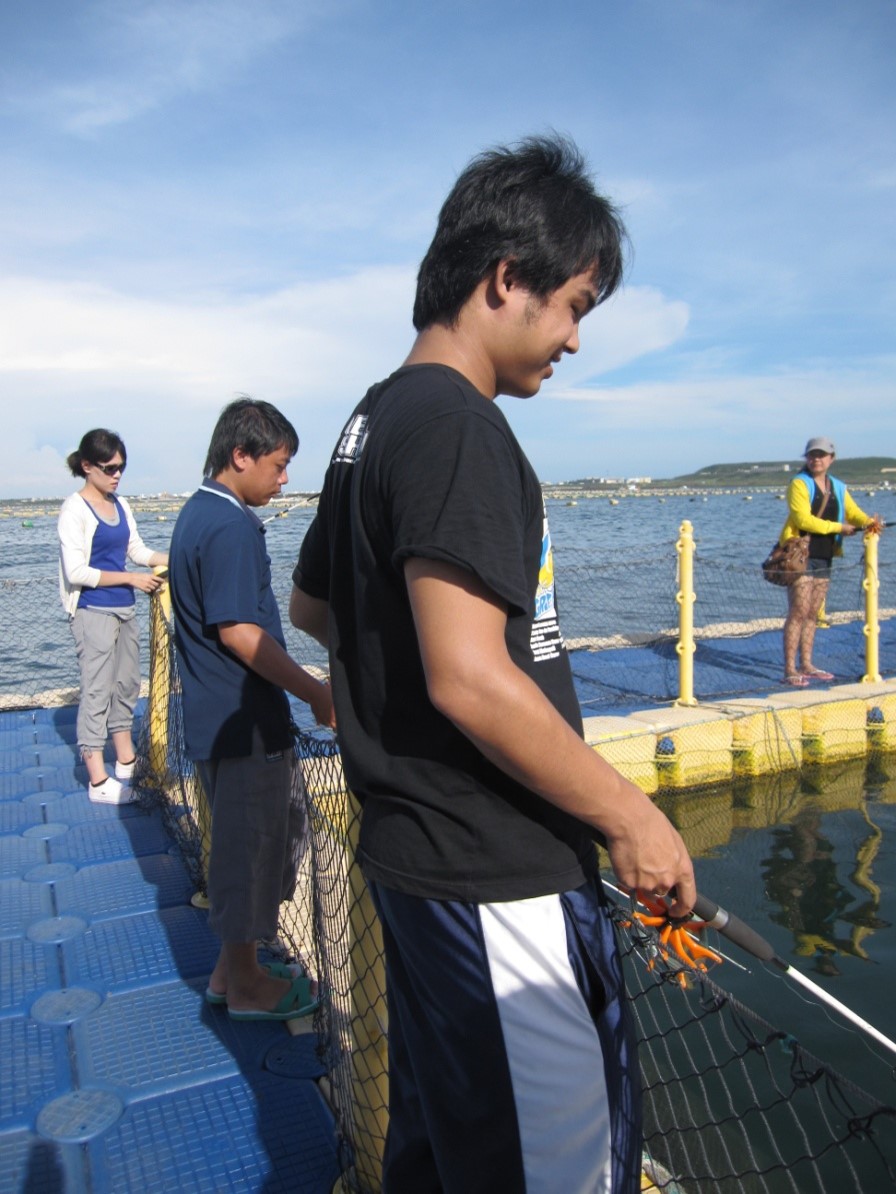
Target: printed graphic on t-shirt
351,442
545,641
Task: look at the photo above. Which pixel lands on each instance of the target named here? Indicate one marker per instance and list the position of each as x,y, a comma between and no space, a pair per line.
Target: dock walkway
115,1075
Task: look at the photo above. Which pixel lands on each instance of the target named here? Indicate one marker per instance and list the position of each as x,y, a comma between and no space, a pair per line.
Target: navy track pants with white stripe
512,1069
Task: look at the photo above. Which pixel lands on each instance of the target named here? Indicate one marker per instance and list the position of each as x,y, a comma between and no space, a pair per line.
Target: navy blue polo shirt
220,572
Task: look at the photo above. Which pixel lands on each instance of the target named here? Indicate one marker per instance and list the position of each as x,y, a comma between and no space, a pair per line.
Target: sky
206,198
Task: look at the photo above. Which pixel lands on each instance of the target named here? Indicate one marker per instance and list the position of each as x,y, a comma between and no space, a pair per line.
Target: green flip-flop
288,970
298,1001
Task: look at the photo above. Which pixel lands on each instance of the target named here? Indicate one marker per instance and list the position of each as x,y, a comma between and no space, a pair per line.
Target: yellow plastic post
685,597
369,1022
160,646
871,585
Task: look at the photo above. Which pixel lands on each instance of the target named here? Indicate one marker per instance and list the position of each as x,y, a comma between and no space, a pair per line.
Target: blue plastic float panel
58,716
31,734
33,1165
22,902
12,737
27,969
56,754
17,759
35,1069
246,1132
55,775
16,815
133,951
110,840
176,1045
116,1077
128,886
16,784
73,806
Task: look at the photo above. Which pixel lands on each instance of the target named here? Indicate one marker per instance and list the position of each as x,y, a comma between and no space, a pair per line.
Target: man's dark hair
533,203
96,447
256,427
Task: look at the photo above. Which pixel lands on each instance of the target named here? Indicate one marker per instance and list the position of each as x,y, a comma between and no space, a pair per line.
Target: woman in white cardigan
97,534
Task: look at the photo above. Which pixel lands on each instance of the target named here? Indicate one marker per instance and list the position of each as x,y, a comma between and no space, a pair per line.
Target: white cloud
138,57
638,320
666,428
759,396
288,340
75,356
159,371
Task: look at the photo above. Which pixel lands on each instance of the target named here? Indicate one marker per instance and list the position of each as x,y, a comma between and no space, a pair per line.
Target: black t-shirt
821,547
427,467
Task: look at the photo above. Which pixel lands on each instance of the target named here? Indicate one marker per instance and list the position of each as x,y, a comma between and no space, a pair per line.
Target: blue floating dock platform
116,1076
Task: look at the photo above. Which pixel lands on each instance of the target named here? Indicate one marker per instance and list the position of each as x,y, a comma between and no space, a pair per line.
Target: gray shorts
257,841
108,646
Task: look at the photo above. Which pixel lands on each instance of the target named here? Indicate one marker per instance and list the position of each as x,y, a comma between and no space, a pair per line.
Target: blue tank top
108,552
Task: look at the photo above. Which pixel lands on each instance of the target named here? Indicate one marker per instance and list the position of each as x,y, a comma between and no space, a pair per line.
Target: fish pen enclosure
730,1101
682,620
676,658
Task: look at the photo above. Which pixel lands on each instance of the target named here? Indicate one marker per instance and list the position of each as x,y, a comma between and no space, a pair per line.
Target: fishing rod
304,501
748,939
710,915
622,896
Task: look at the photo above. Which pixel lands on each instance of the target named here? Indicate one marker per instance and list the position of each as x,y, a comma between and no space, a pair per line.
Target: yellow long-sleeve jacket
800,518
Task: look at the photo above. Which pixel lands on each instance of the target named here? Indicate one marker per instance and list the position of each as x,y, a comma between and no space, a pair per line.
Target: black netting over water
731,1103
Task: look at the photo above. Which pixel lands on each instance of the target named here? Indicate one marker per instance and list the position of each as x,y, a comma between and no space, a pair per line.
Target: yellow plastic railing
871,585
685,597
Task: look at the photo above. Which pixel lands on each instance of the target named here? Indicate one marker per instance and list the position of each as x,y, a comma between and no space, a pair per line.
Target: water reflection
803,851
801,879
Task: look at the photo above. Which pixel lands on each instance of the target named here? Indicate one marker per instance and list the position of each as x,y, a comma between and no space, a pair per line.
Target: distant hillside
865,471
856,470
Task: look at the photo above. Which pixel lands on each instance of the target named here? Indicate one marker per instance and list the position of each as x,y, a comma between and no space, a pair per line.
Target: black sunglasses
110,469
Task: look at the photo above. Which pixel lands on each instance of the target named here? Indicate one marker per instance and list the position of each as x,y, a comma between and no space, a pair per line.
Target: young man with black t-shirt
428,570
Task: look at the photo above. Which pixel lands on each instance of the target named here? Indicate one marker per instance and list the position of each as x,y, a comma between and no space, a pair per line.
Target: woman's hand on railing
146,582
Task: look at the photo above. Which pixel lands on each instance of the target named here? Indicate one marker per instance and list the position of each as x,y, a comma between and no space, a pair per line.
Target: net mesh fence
730,1102
620,618
733,1103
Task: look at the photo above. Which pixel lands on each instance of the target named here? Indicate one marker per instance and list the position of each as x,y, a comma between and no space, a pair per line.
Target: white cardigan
77,526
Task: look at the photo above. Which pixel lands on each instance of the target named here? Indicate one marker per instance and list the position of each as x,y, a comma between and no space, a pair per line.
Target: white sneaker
110,791
125,771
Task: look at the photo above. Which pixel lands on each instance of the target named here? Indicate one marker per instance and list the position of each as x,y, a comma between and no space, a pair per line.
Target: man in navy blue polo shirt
234,669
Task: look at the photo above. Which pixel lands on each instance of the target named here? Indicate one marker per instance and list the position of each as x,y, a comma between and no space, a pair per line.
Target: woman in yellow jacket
820,507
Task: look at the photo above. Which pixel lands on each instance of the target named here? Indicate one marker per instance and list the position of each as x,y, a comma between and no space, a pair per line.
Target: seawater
730,528
809,861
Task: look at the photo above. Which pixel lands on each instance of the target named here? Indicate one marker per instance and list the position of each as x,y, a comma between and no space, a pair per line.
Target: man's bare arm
472,680
309,614
254,647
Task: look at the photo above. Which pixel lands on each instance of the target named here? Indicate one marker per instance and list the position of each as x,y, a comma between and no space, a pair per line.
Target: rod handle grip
733,928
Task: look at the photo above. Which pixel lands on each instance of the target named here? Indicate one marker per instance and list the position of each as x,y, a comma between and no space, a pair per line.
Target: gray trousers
258,837
108,647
